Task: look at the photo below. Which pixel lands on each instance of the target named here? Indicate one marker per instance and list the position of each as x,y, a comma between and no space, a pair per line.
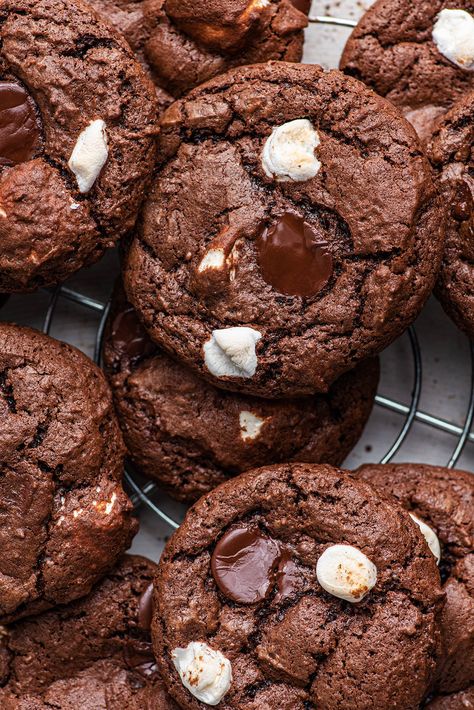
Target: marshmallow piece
231,352
453,34
430,537
346,573
206,673
89,155
213,259
250,425
288,154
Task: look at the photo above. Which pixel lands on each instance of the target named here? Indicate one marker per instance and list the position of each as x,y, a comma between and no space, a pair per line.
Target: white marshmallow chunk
89,155
206,673
231,352
213,259
250,425
453,34
430,537
346,573
288,154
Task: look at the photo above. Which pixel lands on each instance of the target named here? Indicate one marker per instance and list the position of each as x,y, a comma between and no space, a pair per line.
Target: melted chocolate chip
128,336
139,657
292,259
145,608
463,203
20,132
244,564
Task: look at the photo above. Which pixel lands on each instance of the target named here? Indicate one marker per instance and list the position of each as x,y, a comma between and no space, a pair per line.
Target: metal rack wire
143,492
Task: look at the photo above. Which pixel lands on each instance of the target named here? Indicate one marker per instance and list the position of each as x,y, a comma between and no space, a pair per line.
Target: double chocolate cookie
464,700
183,44
93,654
452,154
77,123
297,587
190,436
420,55
443,500
302,231
64,517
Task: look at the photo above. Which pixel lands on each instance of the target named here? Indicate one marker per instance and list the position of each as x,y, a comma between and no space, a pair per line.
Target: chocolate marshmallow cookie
64,517
302,232
93,654
190,436
183,44
296,587
77,118
464,700
452,154
442,503
420,55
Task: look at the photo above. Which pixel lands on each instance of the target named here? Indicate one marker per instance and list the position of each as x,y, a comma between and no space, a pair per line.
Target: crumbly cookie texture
66,519
182,44
243,576
77,148
190,436
443,500
93,654
451,152
325,271
420,55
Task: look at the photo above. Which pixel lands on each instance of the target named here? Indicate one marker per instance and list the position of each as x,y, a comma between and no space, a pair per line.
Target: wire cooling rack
147,493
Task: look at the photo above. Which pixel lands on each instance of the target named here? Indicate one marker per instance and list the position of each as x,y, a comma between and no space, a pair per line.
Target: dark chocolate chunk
20,130
292,259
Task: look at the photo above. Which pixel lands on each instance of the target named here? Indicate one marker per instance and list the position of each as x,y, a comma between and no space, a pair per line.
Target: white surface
445,351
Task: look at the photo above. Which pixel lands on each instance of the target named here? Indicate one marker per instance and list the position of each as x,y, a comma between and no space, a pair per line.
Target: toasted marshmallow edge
346,573
213,259
89,155
430,537
250,425
288,153
231,352
453,34
206,673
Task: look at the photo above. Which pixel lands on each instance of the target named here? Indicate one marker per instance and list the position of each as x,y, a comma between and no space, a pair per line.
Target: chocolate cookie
190,436
64,517
452,154
302,232
444,500
420,55
183,44
296,587
93,654
464,700
77,118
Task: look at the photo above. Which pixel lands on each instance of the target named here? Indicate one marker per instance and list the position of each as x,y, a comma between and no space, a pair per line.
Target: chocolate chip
145,608
292,259
244,564
20,131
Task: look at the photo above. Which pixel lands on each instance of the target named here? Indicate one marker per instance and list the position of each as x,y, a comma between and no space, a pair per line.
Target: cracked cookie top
93,654
420,55
297,587
444,500
451,152
183,44
191,436
301,234
77,118
65,518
